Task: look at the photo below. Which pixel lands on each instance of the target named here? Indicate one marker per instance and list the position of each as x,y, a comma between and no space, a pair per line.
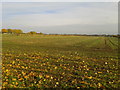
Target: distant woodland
19,31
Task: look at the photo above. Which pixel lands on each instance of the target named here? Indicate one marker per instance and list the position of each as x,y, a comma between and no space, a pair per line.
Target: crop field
49,61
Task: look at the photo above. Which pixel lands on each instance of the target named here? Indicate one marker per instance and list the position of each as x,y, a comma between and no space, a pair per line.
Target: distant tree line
17,31
12,31
97,35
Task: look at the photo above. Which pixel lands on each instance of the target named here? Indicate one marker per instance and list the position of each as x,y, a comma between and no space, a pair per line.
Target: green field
48,61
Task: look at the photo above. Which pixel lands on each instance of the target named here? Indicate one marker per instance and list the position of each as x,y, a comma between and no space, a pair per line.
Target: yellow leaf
7,70
99,72
14,79
57,82
51,77
20,79
23,73
90,77
55,67
47,76
40,76
13,62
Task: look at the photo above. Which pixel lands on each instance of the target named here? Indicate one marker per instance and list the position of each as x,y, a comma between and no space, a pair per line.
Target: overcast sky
61,17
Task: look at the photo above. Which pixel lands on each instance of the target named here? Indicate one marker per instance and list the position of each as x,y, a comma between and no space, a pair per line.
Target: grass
43,61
